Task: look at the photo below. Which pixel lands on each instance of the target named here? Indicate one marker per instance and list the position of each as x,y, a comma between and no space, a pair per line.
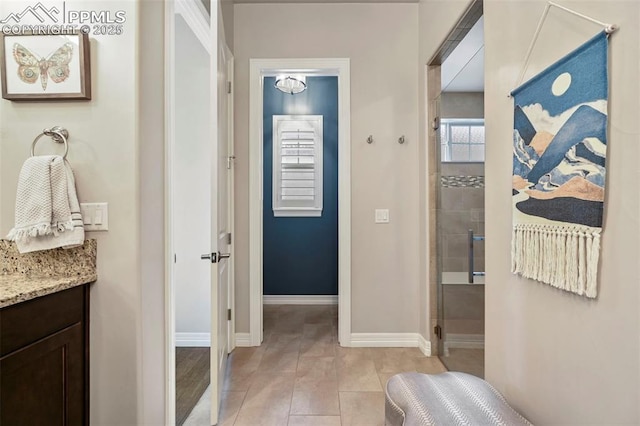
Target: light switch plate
382,215
95,216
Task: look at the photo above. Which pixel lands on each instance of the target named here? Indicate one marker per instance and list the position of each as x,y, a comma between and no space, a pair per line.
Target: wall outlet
382,215
95,216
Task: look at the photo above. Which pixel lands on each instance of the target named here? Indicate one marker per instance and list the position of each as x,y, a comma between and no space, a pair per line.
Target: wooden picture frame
45,67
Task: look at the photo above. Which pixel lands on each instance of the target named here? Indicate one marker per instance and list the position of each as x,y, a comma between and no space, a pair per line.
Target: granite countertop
27,276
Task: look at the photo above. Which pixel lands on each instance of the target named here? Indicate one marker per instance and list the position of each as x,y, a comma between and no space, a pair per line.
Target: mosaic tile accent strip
462,181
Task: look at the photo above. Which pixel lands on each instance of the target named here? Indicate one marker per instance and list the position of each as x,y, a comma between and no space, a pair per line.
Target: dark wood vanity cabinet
44,360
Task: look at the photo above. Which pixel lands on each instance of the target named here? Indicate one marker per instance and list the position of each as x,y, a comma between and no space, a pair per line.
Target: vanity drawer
27,322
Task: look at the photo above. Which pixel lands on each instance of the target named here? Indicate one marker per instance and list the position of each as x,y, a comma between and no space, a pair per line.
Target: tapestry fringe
565,257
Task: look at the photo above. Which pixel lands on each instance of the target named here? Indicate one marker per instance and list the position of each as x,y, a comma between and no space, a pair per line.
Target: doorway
191,205
300,223
458,103
263,73
199,209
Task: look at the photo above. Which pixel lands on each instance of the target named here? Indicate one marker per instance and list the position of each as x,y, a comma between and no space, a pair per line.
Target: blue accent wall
301,253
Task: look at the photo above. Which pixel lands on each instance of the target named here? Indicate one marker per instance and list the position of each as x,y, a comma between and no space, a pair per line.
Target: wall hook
370,139
401,140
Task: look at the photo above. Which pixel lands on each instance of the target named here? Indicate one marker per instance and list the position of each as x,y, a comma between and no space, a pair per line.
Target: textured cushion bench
415,399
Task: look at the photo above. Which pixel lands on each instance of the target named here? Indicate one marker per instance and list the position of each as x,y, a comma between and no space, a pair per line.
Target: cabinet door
42,384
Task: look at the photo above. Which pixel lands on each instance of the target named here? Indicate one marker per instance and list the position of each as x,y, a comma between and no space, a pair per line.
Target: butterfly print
56,66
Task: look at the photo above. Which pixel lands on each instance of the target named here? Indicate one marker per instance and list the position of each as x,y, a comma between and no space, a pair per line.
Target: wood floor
192,379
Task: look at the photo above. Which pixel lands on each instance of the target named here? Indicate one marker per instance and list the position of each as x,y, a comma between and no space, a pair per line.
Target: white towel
47,211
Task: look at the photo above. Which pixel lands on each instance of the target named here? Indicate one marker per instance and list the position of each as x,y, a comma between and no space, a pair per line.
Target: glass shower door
460,249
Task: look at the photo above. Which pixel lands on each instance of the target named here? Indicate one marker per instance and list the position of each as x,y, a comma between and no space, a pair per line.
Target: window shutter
297,157
297,168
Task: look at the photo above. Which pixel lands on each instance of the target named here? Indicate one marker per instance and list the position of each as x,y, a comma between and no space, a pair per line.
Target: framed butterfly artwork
45,67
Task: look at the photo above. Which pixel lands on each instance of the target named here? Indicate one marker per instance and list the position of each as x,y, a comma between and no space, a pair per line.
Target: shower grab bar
471,239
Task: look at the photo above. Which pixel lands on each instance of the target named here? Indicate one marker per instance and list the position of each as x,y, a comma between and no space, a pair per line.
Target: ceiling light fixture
291,84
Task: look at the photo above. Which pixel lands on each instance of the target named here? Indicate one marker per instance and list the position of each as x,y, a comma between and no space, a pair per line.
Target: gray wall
381,41
462,105
226,6
558,357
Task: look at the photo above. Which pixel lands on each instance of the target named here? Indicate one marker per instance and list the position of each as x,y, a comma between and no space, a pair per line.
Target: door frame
432,75
199,21
260,68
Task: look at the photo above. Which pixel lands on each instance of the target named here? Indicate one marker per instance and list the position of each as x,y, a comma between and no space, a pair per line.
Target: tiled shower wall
462,208
463,309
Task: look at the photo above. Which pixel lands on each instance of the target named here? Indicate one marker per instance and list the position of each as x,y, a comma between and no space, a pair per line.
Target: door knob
210,256
215,257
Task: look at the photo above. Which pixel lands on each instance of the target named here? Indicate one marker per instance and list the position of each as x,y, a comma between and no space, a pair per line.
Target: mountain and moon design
559,170
563,174
559,146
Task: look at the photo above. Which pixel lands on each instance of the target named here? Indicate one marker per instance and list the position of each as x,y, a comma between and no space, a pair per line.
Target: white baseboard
358,340
299,300
385,340
199,340
463,341
424,345
243,340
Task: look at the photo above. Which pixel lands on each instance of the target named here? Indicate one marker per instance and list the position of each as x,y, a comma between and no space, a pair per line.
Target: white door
193,157
221,227
230,196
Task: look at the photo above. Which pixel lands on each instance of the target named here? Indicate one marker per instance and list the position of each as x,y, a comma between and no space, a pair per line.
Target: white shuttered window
297,165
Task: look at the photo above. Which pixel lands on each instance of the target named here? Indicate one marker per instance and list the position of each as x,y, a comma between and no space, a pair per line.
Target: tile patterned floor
467,360
300,376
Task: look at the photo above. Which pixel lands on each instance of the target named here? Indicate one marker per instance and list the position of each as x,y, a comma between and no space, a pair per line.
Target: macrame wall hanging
559,153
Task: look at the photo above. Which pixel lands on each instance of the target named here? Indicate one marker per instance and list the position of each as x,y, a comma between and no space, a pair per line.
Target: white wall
104,154
117,156
560,358
151,382
382,42
191,193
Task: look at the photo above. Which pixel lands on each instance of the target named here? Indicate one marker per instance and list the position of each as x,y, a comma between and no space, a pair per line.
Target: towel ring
58,134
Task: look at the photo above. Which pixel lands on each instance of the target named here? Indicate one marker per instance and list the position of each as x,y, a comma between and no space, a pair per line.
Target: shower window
462,140
297,165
